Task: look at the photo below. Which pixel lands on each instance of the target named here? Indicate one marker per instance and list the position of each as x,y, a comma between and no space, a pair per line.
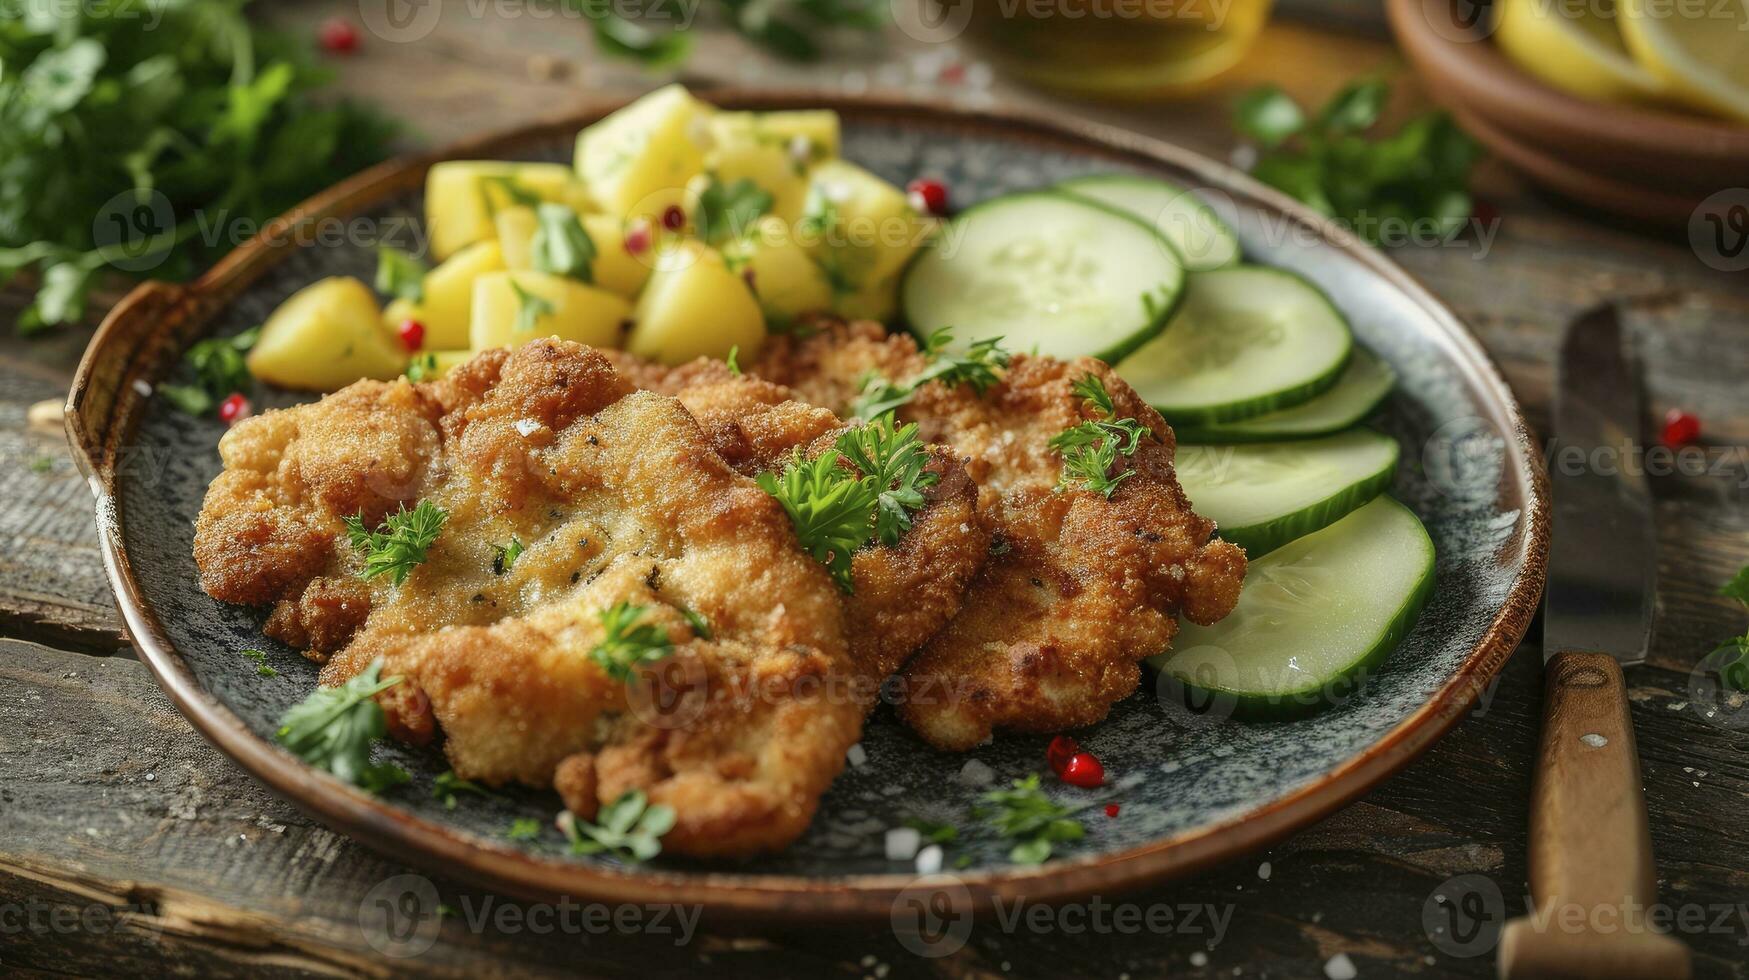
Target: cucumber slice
1044,270
1245,341
1266,494
1314,618
1363,384
1203,241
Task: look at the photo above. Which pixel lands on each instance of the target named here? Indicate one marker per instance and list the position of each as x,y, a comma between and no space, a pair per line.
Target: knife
1591,877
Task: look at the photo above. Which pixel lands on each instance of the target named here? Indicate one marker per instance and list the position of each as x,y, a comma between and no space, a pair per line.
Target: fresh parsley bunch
1418,174
335,727
219,369
1024,814
133,134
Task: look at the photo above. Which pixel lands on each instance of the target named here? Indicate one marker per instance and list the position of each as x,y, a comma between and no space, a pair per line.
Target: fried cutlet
617,496
1079,588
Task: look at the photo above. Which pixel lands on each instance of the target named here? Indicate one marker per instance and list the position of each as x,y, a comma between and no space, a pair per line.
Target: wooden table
128,844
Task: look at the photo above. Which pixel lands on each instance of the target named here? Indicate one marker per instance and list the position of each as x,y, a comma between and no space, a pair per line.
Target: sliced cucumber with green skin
1265,494
1047,271
1203,241
1245,341
1364,383
1314,619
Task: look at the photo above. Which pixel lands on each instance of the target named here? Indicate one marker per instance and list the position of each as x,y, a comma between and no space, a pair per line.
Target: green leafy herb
219,369
622,38
42,464
448,784
1025,815
819,216
700,625
530,308
628,644
523,828
728,210
1091,449
1379,186
335,727
630,828
149,141
977,367
734,360
400,275
934,832
513,190
507,555
402,544
828,506
423,367
879,397
561,246
1734,667
260,659
892,462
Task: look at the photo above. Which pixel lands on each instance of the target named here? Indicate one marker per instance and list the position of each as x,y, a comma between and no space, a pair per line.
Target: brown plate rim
103,408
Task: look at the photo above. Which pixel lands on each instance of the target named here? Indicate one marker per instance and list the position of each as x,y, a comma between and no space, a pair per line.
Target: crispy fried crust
1083,587
904,593
618,496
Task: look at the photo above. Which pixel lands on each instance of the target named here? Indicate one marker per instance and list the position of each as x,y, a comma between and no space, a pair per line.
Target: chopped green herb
828,507
448,784
400,275
892,461
1025,815
728,210
523,828
42,464
630,828
260,659
699,625
627,644
507,555
519,195
402,546
219,369
977,367
423,367
934,832
1091,449
561,245
1734,666
530,308
335,727
734,360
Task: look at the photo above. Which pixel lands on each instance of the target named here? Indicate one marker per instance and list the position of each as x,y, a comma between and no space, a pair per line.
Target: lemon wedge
1700,50
1574,46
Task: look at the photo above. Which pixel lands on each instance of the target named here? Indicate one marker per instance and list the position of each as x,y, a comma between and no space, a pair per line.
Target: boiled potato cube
449,293
461,197
785,280
809,136
557,307
694,306
615,269
637,160
769,168
326,336
859,226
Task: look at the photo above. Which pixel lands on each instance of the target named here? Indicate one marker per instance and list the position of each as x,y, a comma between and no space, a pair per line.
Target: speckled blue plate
1192,791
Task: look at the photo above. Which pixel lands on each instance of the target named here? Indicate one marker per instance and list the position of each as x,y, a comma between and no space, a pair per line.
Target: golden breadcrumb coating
1079,588
617,496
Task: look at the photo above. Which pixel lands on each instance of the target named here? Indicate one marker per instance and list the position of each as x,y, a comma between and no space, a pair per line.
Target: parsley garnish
561,246
1092,448
630,828
1025,815
530,308
933,831
523,828
260,659
699,624
423,367
977,367
893,460
402,546
518,195
734,360
334,729
1418,174
507,555
627,644
448,784
729,210
219,370
400,275
1735,670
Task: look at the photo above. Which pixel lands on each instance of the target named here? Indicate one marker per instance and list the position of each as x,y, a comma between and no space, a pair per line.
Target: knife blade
1602,571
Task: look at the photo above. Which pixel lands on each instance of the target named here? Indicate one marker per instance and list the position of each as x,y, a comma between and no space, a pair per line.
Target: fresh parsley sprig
447,785
530,307
1093,448
1418,174
403,543
219,369
892,461
561,245
506,556
1734,667
523,828
627,643
630,828
1024,814
728,210
977,366
422,367
400,275
335,727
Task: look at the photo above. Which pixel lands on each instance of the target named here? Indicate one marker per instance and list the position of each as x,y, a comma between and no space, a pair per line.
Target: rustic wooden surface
114,810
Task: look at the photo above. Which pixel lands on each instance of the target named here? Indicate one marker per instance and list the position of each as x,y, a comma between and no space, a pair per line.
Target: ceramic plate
1192,791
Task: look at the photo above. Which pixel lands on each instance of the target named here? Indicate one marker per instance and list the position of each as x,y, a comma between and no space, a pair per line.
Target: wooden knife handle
1591,877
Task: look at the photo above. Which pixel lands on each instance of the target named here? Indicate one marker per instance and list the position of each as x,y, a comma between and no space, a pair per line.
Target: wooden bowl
1194,788
1640,162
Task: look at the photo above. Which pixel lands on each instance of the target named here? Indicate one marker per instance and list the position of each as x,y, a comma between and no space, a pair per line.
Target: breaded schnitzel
1079,587
617,497
903,594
